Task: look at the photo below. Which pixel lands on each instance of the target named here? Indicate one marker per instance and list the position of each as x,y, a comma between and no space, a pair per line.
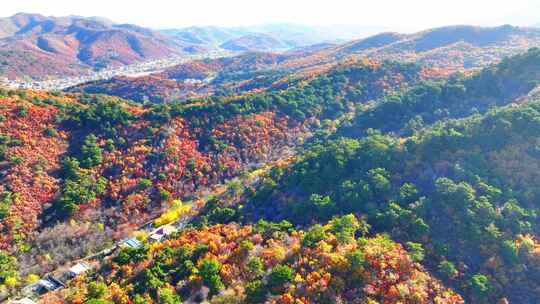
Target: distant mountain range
444,50
255,42
35,45
204,36
453,47
285,34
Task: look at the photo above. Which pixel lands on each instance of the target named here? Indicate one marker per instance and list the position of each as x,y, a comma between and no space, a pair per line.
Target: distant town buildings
132,70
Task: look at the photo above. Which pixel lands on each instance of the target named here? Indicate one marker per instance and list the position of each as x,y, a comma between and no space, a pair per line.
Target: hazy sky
403,15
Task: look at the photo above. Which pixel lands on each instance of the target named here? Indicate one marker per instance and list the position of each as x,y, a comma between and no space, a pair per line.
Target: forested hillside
465,190
458,96
103,160
451,48
200,78
462,190
442,51
366,182
267,264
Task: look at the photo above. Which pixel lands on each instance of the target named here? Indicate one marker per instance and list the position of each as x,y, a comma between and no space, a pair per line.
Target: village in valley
59,278
132,70
161,228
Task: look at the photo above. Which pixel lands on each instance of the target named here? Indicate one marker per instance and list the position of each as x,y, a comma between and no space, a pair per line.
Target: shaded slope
457,97
466,190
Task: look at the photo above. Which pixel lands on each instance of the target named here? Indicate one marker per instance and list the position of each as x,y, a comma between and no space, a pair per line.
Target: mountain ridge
445,49
32,44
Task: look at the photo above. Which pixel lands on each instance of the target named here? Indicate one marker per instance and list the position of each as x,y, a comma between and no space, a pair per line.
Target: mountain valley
270,164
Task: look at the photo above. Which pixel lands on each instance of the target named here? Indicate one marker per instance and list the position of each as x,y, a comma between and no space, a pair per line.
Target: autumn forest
398,168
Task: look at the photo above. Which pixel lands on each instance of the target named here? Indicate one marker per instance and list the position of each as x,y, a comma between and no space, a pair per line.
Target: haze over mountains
292,35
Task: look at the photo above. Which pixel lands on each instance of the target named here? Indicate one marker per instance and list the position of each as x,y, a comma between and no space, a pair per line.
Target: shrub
91,152
416,252
448,270
479,285
314,236
144,184
255,267
22,111
255,292
209,272
278,277
8,273
50,132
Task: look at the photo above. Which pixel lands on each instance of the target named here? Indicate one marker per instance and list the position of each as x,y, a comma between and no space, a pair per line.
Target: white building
78,269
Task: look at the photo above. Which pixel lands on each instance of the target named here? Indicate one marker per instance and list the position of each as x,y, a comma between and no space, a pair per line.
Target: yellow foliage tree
178,209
